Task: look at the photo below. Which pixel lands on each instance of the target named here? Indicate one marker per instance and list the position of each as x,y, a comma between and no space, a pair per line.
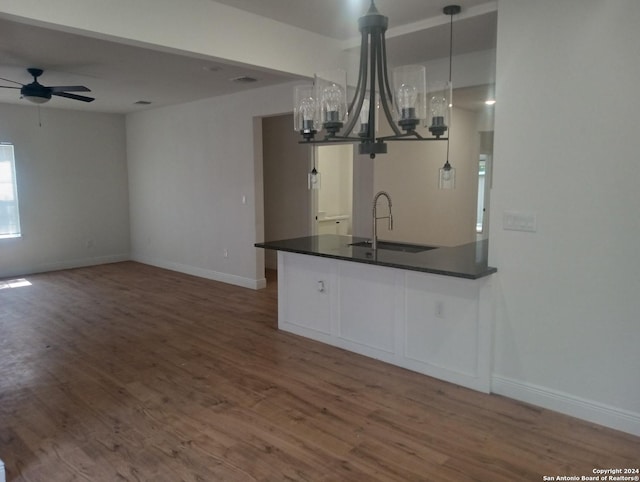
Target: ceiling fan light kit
39,94
323,104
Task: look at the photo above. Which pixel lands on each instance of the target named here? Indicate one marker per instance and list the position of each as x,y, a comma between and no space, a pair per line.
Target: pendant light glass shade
305,110
410,88
315,178
447,177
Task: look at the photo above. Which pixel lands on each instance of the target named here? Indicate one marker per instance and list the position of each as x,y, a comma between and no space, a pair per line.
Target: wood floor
126,372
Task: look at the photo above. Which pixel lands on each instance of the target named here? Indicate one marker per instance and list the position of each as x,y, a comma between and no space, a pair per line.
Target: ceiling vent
244,79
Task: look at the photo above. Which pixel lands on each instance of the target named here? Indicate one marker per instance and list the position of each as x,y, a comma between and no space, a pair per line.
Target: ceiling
338,18
120,75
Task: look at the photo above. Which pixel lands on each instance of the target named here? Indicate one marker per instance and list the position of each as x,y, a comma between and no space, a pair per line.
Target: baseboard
602,414
66,264
203,273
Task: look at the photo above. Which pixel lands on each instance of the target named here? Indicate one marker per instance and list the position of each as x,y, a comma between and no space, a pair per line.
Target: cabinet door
367,306
305,285
442,322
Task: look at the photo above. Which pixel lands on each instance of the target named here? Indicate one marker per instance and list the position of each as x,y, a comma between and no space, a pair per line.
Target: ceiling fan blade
69,88
12,81
73,96
9,87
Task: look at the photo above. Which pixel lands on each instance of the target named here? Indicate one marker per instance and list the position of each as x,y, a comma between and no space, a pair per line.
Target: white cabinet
436,325
448,327
338,224
305,289
366,306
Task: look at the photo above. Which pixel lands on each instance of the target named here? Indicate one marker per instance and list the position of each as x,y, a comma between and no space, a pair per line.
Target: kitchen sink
392,246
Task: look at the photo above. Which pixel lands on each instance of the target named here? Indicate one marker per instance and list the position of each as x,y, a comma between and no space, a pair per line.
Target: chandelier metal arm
358,98
386,73
331,139
407,136
371,128
410,136
371,122
384,81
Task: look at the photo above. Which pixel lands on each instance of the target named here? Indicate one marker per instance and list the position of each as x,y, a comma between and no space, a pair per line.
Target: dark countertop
464,261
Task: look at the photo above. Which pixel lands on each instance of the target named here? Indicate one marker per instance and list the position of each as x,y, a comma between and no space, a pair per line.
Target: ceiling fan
39,94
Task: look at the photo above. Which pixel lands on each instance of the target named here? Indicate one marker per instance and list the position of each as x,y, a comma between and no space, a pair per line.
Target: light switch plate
519,221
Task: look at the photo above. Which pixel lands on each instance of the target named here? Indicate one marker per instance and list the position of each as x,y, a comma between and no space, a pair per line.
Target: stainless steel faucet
374,240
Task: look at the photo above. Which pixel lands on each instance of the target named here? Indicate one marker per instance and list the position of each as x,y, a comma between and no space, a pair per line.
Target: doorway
332,202
287,201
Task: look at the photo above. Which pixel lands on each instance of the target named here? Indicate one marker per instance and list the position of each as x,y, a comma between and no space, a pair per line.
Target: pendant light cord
450,45
451,11
450,85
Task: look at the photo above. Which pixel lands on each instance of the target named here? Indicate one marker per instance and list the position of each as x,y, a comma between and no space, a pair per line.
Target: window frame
13,181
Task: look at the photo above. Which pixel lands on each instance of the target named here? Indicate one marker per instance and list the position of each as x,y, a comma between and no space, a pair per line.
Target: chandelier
323,104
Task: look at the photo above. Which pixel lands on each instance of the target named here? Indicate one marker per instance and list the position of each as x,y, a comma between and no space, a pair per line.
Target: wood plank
134,373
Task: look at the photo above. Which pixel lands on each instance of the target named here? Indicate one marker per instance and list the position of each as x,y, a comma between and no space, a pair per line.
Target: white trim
602,414
2,479
232,279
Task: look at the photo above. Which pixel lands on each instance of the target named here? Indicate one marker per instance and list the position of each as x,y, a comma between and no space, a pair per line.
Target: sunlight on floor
14,283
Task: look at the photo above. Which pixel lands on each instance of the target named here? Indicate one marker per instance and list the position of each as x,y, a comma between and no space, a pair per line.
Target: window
9,215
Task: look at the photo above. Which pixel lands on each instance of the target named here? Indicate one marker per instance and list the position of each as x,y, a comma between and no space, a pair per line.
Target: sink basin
392,246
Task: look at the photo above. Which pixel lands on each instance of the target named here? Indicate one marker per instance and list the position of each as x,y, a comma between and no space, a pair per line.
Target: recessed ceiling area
118,75
127,78
338,18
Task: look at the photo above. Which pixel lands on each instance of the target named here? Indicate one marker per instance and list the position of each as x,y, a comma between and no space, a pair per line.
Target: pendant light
447,173
314,177
323,106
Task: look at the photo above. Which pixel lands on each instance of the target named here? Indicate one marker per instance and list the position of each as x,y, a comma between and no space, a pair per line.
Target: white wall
189,167
72,189
566,149
422,213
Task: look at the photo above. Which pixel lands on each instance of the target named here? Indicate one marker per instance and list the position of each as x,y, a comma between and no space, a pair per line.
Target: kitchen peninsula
422,308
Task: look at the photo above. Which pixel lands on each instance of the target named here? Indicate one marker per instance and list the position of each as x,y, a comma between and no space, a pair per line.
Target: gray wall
196,184
286,197
72,189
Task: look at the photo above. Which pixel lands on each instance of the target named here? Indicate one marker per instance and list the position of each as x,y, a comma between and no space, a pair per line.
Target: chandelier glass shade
403,99
440,107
